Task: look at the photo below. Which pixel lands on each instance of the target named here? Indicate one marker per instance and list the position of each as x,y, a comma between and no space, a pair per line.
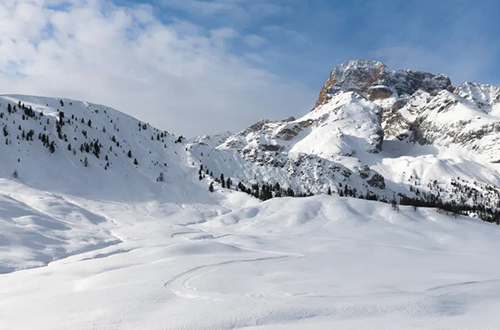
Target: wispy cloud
179,76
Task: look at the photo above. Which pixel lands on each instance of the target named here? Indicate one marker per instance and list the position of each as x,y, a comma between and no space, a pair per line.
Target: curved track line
186,291
183,290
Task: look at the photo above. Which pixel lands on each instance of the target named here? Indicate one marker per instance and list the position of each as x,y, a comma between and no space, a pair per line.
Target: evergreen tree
211,187
394,205
97,149
129,154
160,177
136,162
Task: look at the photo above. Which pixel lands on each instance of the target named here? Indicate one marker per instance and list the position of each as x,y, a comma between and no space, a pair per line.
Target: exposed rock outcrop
362,75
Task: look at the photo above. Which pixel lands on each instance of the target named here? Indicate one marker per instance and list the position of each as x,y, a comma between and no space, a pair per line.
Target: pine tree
97,149
85,162
129,154
211,187
329,192
15,175
160,177
394,205
136,162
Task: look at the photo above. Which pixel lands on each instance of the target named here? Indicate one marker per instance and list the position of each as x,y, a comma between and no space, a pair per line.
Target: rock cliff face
371,78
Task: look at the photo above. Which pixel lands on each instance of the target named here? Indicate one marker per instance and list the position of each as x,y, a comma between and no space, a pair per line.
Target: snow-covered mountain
107,222
381,133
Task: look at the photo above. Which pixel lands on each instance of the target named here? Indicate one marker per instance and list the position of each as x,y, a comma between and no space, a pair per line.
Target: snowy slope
317,262
310,154
462,119
38,222
111,174
38,227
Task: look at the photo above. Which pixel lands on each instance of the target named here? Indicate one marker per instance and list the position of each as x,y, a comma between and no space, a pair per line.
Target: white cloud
179,76
208,8
254,41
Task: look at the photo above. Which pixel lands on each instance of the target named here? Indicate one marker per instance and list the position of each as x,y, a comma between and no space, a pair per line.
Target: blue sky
306,38
196,66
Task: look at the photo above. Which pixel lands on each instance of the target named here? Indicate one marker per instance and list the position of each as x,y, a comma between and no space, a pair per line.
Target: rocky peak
483,95
375,80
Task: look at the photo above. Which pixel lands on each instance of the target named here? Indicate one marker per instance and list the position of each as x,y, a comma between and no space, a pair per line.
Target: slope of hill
87,150
56,150
316,262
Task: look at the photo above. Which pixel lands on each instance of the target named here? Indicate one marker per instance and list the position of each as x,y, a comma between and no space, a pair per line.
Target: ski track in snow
185,277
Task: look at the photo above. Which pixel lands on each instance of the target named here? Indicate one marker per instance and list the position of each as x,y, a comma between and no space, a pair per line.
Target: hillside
316,262
56,150
88,150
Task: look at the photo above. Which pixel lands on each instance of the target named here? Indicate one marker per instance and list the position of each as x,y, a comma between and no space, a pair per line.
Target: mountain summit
375,80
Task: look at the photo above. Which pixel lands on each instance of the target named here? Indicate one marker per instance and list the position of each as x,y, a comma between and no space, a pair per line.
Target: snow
485,96
38,227
95,248
318,262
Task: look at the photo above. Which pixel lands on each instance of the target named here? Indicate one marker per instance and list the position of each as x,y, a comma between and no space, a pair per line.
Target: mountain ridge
352,144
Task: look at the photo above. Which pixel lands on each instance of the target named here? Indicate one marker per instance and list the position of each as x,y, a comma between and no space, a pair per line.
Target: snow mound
37,228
